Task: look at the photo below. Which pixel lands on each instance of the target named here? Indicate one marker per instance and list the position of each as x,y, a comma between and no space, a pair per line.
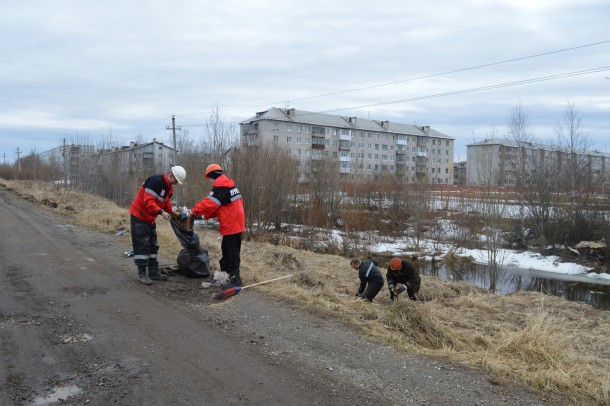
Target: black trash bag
193,260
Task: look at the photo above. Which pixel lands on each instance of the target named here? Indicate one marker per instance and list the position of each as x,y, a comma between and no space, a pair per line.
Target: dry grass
547,343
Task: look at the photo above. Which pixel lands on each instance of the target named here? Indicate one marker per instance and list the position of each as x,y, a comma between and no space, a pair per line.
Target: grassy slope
542,341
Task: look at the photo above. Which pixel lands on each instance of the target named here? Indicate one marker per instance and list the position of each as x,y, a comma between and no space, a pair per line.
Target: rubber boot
153,272
142,274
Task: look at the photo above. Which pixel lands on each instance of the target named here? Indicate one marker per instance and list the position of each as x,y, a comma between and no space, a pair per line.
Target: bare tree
266,176
576,212
219,136
491,205
519,132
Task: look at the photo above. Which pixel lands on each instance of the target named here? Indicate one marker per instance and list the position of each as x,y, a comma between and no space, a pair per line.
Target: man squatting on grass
225,202
151,201
402,275
371,280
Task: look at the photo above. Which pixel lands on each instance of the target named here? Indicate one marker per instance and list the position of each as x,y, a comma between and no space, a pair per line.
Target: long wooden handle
270,280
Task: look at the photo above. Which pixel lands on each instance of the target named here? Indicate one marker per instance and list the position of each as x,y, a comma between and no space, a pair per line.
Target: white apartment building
498,162
361,148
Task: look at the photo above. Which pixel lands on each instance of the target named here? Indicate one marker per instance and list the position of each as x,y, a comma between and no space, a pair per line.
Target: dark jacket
407,274
369,273
153,196
224,202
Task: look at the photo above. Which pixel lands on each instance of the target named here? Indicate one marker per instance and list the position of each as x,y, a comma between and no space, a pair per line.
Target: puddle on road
79,338
62,392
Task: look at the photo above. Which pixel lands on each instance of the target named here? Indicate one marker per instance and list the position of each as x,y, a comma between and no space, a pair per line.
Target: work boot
154,274
143,275
233,282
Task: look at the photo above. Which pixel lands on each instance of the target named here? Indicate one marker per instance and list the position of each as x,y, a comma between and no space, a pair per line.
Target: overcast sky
119,70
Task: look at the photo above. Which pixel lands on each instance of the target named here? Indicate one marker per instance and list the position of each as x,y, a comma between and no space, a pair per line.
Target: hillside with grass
544,342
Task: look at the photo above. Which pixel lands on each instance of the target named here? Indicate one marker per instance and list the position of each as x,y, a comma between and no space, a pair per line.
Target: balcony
317,146
401,142
401,152
345,145
344,159
344,170
421,153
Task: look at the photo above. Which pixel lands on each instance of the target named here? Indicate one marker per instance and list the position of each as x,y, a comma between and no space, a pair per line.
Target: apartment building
459,173
67,158
361,148
151,157
499,162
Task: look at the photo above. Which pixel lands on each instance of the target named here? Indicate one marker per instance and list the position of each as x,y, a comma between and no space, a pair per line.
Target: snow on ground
520,259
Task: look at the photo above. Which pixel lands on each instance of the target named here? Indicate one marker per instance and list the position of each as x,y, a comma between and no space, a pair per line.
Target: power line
478,89
423,77
457,92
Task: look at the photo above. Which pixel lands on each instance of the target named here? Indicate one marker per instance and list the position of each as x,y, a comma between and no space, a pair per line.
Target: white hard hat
179,173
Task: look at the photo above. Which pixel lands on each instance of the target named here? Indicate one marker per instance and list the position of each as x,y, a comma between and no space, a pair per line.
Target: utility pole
4,158
65,165
173,128
18,163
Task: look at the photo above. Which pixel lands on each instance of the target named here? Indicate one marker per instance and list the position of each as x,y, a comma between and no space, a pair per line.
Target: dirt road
76,327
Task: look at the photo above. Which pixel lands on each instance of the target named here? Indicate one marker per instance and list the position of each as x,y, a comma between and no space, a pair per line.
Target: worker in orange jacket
151,201
224,202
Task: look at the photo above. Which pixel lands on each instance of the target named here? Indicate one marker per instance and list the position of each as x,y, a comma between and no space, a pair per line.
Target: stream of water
576,288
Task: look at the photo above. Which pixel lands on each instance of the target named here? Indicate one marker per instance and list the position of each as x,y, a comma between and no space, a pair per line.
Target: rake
234,291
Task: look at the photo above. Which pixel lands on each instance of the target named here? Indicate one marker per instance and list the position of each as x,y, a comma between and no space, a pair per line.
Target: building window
288,127
361,145
384,157
276,138
276,126
288,140
384,147
447,143
299,128
368,146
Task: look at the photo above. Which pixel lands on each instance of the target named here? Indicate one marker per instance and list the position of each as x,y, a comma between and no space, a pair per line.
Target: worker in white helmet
151,201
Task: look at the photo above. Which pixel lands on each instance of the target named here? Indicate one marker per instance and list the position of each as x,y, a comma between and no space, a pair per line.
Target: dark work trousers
145,244
372,288
231,248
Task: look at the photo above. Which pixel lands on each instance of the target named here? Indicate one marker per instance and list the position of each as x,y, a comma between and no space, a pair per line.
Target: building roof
533,145
354,123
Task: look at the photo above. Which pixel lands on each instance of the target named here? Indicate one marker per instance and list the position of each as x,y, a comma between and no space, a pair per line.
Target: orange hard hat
212,168
395,264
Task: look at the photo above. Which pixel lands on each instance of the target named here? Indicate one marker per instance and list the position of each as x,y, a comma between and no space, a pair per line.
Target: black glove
358,294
